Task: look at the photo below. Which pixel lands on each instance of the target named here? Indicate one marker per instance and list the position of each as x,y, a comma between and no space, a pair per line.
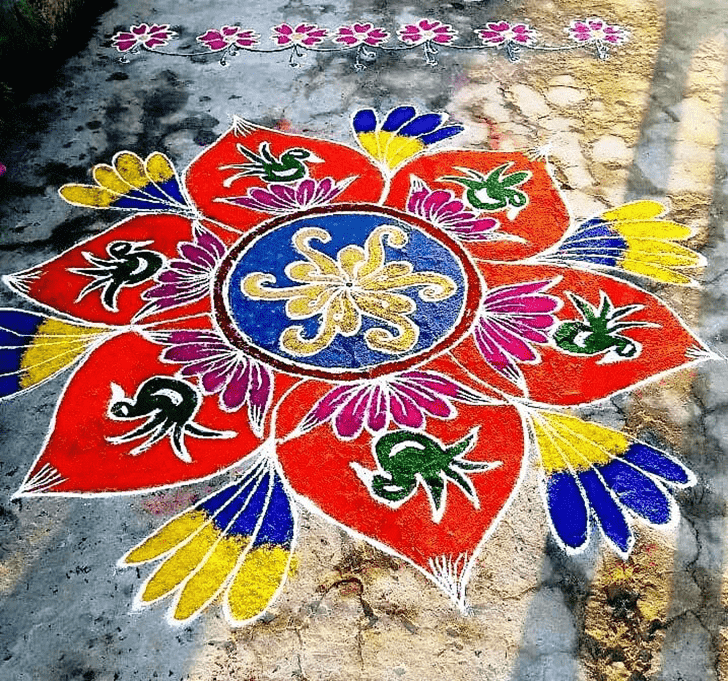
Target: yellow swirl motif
358,283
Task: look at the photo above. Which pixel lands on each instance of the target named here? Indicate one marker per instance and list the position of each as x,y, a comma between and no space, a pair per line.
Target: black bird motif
129,264
171,406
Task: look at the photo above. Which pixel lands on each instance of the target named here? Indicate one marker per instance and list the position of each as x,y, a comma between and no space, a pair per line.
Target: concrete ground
649,122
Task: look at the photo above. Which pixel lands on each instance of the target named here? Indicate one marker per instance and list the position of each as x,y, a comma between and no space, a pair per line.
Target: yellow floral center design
357,284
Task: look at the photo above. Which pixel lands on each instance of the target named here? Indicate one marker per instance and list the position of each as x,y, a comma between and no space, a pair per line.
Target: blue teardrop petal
365,120
654,461
596,259
421,125
610,516
398,117
567,508
441,134
636,491
277,525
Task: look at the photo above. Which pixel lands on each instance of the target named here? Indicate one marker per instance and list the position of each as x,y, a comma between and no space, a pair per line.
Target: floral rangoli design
386,336
366,41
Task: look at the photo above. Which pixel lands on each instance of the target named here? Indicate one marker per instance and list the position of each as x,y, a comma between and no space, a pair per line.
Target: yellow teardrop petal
657,273
653,229
662,253
159,167
108,178
207,581
257,581
131,169
639,210
167,537
180,564
85,195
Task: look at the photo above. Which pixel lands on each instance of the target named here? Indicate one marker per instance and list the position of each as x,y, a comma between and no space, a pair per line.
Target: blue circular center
264,302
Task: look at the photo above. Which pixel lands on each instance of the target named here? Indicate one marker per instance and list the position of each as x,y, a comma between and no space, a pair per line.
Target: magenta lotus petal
220,368
187,279
303,34
227,36
443,209
288,198
501,33
361,34
405,399
427,30
142,34
511,319
597,31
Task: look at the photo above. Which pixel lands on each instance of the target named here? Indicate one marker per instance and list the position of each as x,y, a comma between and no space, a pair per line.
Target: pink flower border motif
366,40
302,34
142,35
227,36
597,32
427,30
364,33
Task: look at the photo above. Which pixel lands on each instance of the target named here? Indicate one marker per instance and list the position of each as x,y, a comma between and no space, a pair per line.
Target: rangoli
365,41
386,336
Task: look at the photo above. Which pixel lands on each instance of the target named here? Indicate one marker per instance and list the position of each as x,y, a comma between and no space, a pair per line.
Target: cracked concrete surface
648,122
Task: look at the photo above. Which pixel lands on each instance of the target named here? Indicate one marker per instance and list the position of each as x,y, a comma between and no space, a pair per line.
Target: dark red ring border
228,327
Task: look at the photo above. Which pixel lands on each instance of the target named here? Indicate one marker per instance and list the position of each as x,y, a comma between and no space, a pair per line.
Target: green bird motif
494,191
599,332
407,459
288,167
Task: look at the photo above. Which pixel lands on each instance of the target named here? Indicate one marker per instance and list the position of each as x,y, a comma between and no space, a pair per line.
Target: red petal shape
541,223
317,465
77,450
569,379
54,285
206,177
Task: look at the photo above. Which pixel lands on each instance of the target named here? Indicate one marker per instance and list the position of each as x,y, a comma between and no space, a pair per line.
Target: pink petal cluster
427,30
596,30
143,34
287,198
303,34
221,368
361,34
501,33
443,209
228,35
406,399
187,279
513,317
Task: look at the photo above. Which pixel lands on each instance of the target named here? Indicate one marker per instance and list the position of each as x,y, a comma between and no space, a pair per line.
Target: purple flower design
303,34
227,36
221,368
406,399
286,198
187,279
501,33
597,31
361,34
442,208
427,30
145,35
511,319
